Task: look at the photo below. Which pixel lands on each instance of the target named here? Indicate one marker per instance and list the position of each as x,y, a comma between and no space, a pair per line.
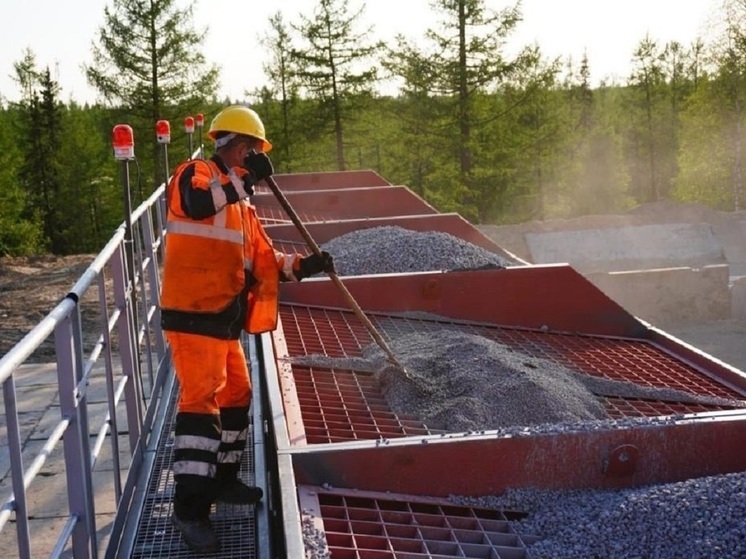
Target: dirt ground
30,287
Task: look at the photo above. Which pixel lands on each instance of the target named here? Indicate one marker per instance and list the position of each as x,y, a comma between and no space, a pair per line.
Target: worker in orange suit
220,276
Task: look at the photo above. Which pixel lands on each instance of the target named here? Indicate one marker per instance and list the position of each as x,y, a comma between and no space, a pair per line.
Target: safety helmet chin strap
220,142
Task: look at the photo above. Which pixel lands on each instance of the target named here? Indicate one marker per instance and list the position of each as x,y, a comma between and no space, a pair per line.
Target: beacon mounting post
200,124
189,129
163,136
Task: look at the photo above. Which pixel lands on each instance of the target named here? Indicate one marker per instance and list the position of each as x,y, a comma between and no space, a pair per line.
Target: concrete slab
45,532
669,295
39,412
732,235
47,500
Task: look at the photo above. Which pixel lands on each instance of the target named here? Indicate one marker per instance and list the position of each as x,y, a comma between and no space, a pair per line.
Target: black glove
315,264
258,165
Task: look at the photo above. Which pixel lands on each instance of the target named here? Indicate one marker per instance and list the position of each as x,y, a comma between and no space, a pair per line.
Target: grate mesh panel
290,247
156,537
388,528
343,405
339,406
272,214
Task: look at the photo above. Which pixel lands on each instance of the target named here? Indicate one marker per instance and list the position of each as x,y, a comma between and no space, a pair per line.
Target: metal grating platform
405,527
343,405
157,538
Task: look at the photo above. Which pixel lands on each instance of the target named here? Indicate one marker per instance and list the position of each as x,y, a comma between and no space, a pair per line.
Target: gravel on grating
460,382
314,540
700,518
393,249
465,382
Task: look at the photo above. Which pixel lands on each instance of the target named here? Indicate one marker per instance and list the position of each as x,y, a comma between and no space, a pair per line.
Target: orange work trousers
212,373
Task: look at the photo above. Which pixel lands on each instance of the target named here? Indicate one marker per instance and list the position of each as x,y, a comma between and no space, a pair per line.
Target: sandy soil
30,288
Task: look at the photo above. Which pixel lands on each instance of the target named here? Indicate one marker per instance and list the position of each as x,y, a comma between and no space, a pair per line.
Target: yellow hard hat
239,119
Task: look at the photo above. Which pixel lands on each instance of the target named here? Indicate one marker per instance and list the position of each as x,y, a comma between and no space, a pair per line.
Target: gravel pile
392,250
465,382
314,540
701,518
462,382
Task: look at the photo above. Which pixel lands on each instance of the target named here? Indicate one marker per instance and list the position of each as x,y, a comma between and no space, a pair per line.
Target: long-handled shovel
333,275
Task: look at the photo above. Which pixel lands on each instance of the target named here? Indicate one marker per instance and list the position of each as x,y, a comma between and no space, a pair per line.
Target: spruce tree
40,134
334,65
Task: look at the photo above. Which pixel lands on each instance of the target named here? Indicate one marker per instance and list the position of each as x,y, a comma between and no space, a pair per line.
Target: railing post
127,348
110,386
74,405
16,468
149,298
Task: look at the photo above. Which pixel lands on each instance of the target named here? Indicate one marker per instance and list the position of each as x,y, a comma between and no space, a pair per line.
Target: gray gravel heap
392,250
466,382
702,518
462,382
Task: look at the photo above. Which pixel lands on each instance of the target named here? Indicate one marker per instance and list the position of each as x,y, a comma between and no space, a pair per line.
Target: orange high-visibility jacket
214,240
265,264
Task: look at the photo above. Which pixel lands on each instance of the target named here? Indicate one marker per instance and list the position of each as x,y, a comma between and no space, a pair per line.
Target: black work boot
191,513
197,533
229,489
236,492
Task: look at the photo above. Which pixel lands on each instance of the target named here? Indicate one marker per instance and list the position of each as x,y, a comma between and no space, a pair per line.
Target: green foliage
92,182
709,149
462,60
470,131
20,230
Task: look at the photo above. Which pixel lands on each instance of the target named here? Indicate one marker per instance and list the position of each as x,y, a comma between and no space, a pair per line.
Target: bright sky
60,33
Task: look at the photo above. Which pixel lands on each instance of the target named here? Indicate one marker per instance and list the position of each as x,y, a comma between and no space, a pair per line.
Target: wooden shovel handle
333,275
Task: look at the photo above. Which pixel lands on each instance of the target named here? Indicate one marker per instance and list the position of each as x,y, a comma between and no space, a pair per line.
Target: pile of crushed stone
393,250
697,518
461,382
465,382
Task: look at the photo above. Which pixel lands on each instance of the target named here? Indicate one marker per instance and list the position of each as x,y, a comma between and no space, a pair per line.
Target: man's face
242,149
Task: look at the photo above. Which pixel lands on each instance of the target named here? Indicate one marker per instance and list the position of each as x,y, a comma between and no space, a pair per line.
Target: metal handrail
76,371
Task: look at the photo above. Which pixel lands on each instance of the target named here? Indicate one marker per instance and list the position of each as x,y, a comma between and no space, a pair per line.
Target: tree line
498,138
